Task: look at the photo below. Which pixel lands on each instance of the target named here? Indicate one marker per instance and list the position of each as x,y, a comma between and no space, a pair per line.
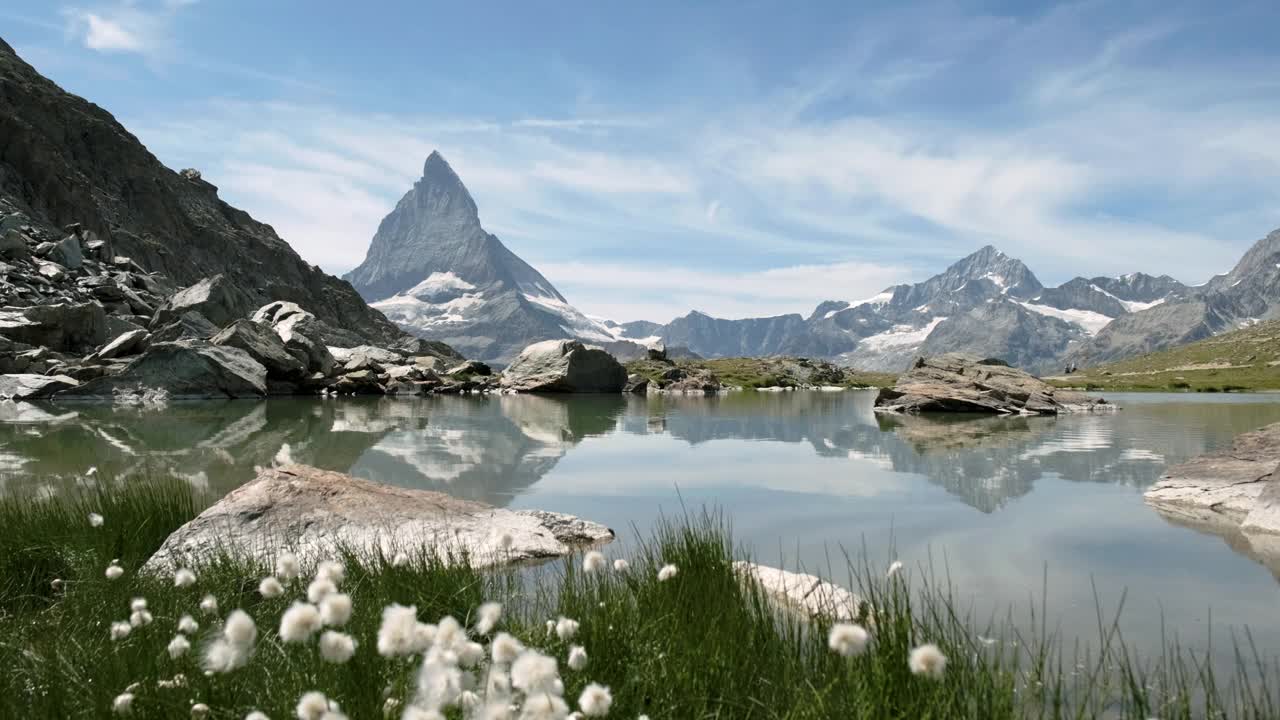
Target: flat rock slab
958,383
1235,487
317,512
27,386
809,594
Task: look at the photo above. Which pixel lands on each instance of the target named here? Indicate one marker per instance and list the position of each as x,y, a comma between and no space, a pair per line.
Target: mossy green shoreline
703,644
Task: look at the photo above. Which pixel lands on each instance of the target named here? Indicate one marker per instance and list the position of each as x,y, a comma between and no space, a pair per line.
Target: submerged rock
318,513
958,383
564,366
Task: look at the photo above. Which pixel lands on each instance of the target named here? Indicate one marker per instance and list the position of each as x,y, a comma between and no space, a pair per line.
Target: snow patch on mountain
900,336
1091,321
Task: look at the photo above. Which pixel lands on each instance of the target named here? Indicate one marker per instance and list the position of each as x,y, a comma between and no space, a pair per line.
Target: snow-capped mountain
434,271
987,303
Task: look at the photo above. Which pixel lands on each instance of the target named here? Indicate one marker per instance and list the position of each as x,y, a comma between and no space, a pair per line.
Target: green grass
702,645
1237,361
752,373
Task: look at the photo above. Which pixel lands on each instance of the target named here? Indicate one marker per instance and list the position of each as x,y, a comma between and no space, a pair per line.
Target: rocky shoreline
958,383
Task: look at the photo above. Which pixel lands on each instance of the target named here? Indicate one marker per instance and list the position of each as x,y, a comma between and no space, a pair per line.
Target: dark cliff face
65,160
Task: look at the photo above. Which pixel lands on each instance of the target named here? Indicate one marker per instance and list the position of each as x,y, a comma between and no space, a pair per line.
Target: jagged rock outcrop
437,273
319,514
67,161
956,383
214,298
262,344
183,369
564,366
63,327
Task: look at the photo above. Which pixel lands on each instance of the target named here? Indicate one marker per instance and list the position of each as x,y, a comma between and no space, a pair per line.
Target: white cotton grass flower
336,647
188,625
334,571
505,649
335,609
470,654
239,629
566,628
123,704
577,658
551,628
439,682
593,562
895,567
416,713
114,571
534,673
927,660
209,605
400,560
287,567
320,587
487,617
140,618
667,572
199,711
621,565
544,706
56,583
398,634
299,622
449,634
184,578
312,706
120,630
178,646
138,603
256,715
270,587
595,700
847,639
96,520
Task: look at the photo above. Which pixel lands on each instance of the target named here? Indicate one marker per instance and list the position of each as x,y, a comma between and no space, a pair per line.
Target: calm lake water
997,501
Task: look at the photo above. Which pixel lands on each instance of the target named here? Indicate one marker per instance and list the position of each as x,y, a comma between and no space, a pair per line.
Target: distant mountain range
433,270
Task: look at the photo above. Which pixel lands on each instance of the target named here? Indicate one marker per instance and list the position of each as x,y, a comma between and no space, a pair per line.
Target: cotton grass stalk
487,617
184,578
577,658
299,622
593,562
335,609
667,572
595,700
847,639
270,587
927,660
336,647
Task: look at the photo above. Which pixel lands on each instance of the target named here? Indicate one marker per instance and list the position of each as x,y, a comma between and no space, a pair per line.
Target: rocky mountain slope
987,304
65,160
438,274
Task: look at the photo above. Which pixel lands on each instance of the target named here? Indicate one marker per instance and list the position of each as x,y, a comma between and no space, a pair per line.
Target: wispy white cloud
124,27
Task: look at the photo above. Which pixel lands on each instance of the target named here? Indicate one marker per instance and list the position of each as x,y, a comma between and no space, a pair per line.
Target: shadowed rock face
317,513
65,160
965,384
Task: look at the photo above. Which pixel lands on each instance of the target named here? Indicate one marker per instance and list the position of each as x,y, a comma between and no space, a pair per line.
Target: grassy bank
1246,360
752,373
701,644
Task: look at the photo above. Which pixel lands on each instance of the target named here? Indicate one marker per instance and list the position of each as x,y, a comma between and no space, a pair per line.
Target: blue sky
741,158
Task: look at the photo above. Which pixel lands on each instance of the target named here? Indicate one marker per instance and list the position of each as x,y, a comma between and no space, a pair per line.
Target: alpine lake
1017,513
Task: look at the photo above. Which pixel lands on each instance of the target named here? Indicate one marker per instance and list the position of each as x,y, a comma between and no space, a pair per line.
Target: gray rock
470,367
1237,487
318,514
564,366
304,338
360,382
65,327
183,369
129,343
189,326
29,387
636,384
52,271
14,245
215,297
272,313
263,345
808,594
365,357
967,384
698,382
67,252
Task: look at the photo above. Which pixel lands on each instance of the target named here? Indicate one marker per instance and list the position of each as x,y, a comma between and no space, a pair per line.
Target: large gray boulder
263,345
129,343
24,386
302,335
564,366
317,514
63,327
957,383
1236,487
216,298
67,253
188,326
183,369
